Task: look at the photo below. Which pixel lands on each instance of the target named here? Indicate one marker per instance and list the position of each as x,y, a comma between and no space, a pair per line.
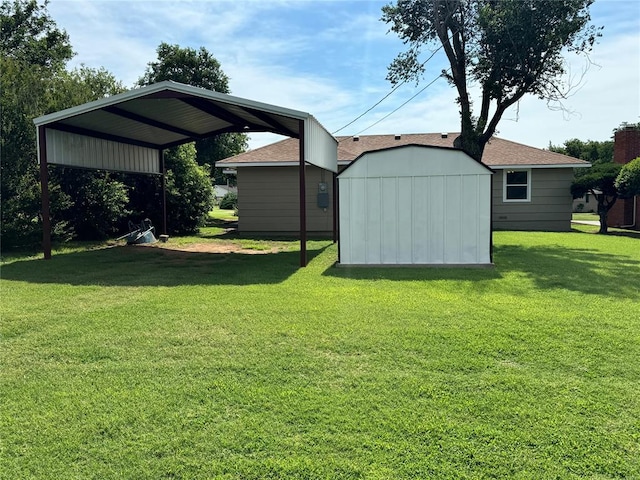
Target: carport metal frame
123,119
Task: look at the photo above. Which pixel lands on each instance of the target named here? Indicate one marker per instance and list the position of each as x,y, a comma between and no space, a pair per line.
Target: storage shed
415,205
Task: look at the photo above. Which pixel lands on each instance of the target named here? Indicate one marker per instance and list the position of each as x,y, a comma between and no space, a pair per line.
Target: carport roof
167,114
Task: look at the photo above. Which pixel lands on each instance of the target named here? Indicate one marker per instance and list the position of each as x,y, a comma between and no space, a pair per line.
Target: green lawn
586,216
142,362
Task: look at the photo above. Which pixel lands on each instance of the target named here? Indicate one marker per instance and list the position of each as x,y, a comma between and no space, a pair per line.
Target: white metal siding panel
373,223
391,215
74,150
452,219
420,232
389,220
468,218
404,228
321,148
358,221
437,213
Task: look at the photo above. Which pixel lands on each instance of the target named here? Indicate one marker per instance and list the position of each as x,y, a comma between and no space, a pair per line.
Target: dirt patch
218,248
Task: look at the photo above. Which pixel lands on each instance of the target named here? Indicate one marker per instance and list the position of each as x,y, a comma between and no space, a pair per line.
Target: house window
517,186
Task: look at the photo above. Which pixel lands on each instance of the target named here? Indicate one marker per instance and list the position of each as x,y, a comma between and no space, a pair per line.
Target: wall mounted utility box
415,205
323,195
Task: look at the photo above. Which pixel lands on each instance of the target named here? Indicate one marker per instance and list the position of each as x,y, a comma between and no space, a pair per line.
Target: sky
330,58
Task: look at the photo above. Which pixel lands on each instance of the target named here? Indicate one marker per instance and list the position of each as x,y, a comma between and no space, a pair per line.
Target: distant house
219,191
626,211
531,186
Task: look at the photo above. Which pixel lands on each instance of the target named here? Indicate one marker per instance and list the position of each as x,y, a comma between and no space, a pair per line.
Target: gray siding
268,200
550,206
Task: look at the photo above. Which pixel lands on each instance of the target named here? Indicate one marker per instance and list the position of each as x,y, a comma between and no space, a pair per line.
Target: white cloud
330,59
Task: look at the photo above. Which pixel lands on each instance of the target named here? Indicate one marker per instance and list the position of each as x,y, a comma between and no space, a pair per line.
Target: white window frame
505,185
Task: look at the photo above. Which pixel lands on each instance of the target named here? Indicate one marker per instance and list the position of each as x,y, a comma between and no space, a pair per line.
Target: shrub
229,201
628,181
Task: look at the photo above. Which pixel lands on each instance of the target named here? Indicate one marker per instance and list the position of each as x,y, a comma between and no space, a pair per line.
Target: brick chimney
626,147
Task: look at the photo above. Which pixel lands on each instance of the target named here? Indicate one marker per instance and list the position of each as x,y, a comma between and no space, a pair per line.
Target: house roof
499,153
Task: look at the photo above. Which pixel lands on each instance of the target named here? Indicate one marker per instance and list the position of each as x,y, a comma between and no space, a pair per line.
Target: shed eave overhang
514,166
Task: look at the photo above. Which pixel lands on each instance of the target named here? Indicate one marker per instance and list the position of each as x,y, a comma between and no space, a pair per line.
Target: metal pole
164,192
335,207
303,198
44,182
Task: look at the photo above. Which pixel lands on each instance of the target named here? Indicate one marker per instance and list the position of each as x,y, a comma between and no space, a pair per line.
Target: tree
189,188
591,151
98,198
199,69
628,180
507,47
31,37
33,52
599,181
35,82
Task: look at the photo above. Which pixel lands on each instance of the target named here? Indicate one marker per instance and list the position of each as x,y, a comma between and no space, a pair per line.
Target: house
531,186
219,191
415,205
625,213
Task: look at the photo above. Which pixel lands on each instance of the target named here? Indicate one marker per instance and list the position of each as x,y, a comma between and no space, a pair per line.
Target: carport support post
164,192
44,182
303,198
335,207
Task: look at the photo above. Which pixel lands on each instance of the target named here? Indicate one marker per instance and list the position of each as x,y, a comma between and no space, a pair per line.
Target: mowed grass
139,362
586,216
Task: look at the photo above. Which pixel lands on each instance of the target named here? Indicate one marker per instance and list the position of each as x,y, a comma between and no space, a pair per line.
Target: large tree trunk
604,205
470,143
604,228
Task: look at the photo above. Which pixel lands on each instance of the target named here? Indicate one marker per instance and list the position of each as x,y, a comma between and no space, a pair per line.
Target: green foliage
600,178
33,52
628,180
599,181
229,201
189,190
186,65
34,83
199,69
508,47
99,202
627,126
31,37
591,151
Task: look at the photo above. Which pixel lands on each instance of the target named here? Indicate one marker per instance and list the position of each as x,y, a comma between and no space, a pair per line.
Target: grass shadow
413,273
151,266
551,267
575,269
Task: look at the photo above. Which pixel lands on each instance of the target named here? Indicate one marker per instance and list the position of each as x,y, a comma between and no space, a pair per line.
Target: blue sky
330,58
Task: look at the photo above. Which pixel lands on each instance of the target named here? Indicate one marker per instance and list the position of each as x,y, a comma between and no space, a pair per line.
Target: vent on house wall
444,135
356,138
398,136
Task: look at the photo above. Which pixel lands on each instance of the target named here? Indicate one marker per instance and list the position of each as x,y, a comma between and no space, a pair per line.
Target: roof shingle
498,152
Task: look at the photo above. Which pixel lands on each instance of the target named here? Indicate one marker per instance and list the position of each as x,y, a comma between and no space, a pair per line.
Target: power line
394,111
387,95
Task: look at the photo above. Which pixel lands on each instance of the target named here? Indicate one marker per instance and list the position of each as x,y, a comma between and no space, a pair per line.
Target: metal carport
128,132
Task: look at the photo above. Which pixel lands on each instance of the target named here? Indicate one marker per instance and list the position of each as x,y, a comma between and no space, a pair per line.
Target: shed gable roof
418,152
